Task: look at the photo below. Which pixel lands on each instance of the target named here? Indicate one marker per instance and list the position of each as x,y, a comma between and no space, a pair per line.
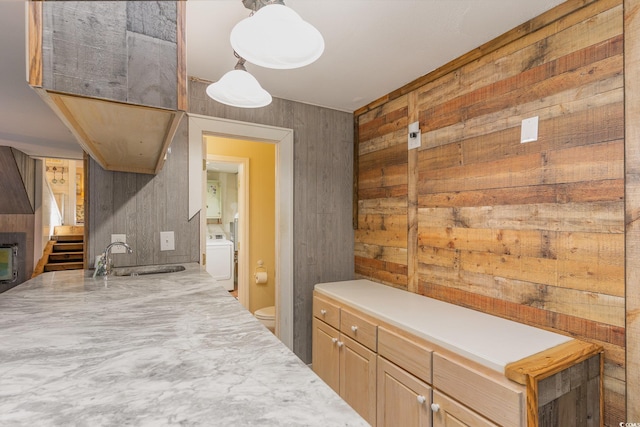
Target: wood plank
386,206
578,192
570,101
587,304
382,253
391,238
551,361
398,137
39,268
408,352
570,325
394,155
632,209
479,103
412,204
68,230
373,221
181,45
388,123
600,217
392,175
34,47
63,266
477,388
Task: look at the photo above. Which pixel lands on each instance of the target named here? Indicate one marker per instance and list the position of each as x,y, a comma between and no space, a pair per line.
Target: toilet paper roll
261,277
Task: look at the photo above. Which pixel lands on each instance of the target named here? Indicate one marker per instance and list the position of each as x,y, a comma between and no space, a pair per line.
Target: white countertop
489,340
152,350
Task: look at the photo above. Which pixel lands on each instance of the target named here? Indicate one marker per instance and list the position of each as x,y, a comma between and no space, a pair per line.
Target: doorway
234,206
199,127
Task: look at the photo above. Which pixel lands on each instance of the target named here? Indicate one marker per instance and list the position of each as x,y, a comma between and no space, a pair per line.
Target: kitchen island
152,350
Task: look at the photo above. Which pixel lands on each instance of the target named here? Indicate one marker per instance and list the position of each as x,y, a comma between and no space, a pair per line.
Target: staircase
65,251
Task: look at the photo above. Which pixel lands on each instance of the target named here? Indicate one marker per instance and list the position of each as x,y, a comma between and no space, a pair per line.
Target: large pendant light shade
238,88
277,37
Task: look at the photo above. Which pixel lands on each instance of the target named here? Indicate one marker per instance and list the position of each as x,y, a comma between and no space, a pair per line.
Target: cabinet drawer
498,399
356,327
326,311
448,412
406,353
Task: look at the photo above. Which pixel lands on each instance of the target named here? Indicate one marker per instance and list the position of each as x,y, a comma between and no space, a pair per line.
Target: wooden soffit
120,137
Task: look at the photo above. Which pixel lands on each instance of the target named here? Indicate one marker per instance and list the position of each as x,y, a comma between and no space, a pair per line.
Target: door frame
243,209
199,126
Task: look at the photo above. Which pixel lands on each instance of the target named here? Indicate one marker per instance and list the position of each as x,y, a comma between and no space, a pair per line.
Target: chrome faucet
106,261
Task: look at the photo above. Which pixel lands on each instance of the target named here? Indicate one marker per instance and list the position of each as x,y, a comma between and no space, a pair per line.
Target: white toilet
267,315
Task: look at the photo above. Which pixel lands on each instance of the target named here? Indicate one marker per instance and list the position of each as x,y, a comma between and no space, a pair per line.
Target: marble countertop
152,350
489,340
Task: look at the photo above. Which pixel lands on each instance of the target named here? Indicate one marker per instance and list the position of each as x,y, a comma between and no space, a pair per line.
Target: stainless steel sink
146,269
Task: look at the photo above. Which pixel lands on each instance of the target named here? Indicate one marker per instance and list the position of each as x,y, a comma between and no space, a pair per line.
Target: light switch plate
118,238
529,130
414,129
167,241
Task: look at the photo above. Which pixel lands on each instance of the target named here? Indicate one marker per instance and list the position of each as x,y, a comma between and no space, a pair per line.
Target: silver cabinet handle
340,343
334,340
323,311
435,407
354,328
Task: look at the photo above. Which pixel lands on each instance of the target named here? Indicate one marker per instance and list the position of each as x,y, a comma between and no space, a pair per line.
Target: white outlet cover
529,130
167,241
118,238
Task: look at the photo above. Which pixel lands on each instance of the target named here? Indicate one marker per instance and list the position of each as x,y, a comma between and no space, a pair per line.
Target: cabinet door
358,378
449,413
403,400
325,356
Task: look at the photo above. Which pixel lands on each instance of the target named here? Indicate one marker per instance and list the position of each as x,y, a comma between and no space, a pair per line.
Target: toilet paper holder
261,273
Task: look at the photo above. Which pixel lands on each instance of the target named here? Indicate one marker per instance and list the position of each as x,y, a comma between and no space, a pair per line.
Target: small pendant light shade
277,37
238,88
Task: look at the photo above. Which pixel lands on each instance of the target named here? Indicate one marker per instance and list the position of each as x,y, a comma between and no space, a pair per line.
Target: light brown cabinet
449,413
395,371
403,400
347,366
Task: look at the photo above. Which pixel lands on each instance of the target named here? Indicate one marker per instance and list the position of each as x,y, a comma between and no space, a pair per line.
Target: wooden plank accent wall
322,194
381,236
531,232
632,203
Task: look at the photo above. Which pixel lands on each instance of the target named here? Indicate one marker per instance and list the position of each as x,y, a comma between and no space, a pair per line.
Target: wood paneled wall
141,206
323,172
532,232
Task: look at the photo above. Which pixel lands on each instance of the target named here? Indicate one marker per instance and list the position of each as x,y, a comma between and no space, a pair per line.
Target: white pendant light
277,37
238,88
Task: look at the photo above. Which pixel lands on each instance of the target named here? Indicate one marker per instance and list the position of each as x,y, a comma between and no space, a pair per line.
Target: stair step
69,238
65,256
68,247
60,266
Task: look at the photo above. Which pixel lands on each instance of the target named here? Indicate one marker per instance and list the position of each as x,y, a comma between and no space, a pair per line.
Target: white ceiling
372,47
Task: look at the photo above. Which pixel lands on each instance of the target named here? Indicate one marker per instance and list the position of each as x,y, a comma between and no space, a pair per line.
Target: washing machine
220,261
